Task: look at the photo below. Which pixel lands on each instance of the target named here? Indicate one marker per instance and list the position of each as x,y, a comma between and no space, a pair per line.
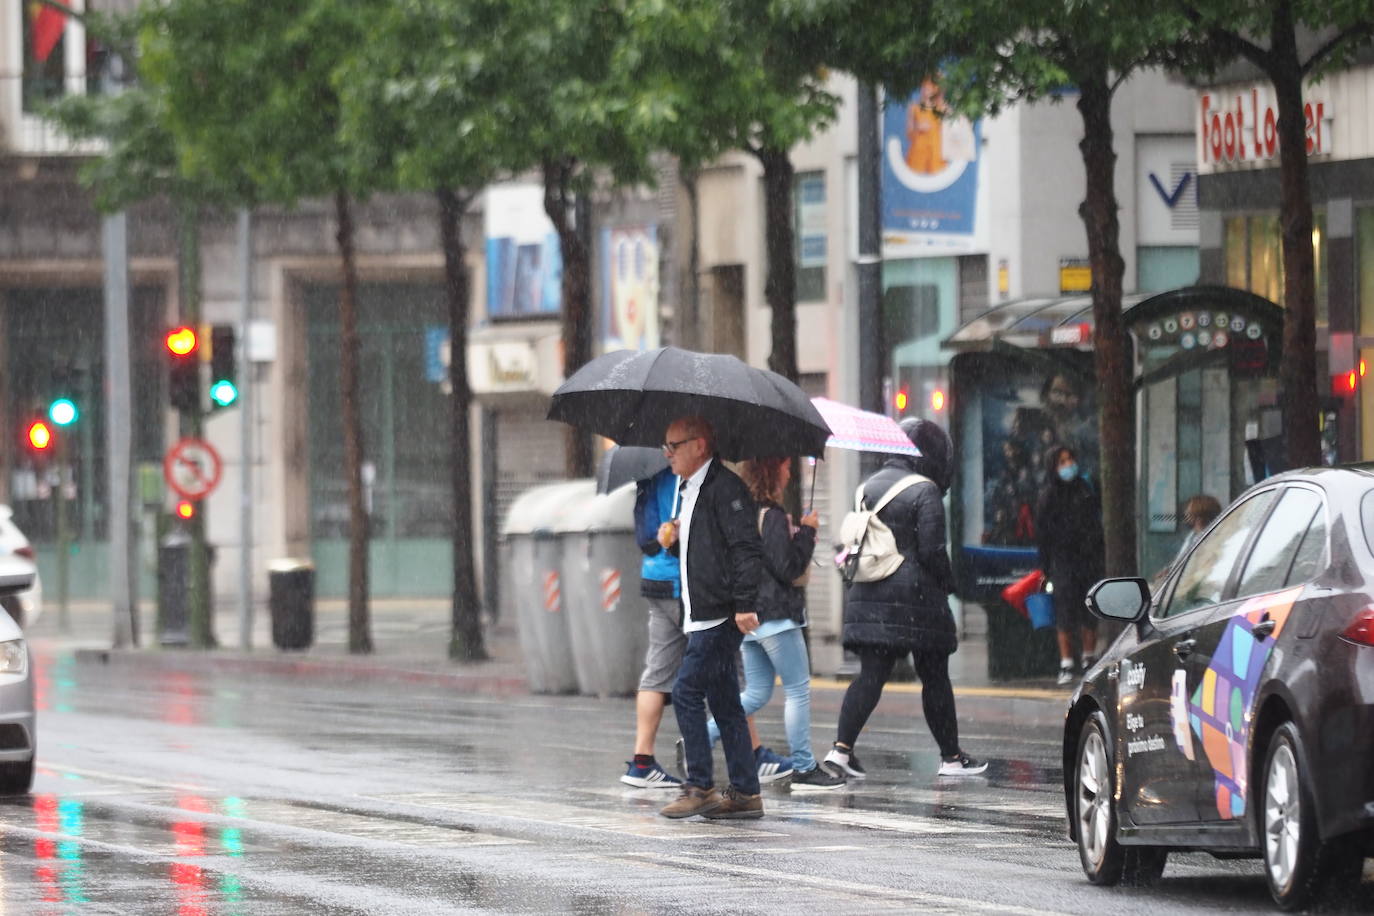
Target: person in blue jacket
661,585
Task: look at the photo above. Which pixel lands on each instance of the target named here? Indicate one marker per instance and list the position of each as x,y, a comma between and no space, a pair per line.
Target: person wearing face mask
1068,528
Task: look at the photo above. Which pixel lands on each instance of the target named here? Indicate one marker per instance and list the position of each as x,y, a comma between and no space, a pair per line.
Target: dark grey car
1236,714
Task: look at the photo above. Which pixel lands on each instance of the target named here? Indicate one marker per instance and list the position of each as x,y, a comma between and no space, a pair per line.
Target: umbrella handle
677,491
811,501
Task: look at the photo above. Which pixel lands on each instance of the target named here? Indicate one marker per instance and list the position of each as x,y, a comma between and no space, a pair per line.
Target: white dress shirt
684,528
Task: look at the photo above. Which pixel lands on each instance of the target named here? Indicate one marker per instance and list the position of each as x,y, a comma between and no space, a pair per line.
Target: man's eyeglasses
670,447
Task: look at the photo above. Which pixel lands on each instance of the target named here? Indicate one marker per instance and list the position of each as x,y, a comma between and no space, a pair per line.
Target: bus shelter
1022,381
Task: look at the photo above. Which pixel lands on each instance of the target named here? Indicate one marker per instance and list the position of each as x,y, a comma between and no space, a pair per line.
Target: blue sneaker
772,767
652,776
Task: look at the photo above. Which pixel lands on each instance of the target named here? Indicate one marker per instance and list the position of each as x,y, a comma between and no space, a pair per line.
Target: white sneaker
843,763
1066,675
963,765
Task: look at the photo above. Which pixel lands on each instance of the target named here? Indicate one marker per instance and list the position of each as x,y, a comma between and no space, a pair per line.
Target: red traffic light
186,509
1345,384
900,399
181,341
937,400
39,436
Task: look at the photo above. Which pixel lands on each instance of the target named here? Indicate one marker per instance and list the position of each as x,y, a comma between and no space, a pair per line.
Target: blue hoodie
660,572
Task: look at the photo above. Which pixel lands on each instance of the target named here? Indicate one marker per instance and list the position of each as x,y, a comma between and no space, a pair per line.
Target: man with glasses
718,545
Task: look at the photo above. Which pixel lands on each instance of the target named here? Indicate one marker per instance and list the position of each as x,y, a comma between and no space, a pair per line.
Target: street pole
869,266
245,379
64,538
119,431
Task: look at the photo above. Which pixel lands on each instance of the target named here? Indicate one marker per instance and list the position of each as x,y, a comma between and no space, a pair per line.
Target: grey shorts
667,643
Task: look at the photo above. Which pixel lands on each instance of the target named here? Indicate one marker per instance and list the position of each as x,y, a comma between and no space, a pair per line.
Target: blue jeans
782,655
707,676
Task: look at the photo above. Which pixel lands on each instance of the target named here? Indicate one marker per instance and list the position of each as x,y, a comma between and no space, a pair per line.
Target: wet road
198,793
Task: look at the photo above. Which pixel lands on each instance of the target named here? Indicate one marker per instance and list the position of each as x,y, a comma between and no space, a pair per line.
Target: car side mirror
1119,599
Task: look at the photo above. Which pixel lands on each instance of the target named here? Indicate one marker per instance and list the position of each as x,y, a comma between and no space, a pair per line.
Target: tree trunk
465,637
1112,351
1298,365
689,321
780,286
574,245
359,624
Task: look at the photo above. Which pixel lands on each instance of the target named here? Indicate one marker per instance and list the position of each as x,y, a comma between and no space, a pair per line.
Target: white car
28,604
18,735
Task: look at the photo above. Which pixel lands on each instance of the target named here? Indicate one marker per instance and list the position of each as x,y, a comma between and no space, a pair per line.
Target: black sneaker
843,763
816,779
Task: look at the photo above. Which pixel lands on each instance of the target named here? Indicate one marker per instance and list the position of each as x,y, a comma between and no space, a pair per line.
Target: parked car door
1288,551
1155,746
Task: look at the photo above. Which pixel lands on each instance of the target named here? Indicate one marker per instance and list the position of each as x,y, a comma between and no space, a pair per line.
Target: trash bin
532,578
174,588
1016,649
291,600
570,529
606,620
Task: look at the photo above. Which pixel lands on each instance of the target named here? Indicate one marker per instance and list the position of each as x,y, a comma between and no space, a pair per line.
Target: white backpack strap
909,481
859,499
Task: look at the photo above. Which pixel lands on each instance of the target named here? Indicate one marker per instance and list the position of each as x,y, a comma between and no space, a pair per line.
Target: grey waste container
570,528
291,601
601,564
174,588
532,577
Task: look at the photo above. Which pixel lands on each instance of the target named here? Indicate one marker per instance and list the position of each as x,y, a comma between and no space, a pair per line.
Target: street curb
304,666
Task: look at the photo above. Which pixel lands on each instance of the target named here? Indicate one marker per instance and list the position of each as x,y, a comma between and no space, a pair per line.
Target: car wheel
1106,861
1297,864
16,778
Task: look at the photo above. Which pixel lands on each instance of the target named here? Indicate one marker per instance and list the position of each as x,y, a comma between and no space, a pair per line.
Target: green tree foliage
1289,42
987,54
718,75
254,104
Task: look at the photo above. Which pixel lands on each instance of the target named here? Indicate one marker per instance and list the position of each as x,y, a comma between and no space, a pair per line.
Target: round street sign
192,468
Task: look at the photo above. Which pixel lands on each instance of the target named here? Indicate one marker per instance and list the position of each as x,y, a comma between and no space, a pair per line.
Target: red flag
48,24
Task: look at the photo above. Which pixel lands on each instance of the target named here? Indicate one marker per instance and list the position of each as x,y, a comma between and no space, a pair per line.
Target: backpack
869,549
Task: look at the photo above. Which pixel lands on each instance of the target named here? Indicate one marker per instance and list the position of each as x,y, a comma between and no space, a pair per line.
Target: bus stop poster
524,264
930,174
629,287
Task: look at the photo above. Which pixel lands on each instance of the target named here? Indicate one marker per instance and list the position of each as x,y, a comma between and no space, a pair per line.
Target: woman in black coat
907,612
1068,531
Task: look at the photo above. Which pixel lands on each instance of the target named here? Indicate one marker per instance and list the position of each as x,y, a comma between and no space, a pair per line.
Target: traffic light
224,388
1345,384
185,509
184,377
63,412
39,437
901,399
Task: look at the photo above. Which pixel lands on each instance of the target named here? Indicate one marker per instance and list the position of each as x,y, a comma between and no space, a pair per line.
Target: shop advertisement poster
524,265
629,287
930,175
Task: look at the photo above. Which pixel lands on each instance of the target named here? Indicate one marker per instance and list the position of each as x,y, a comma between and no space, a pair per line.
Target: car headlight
14,657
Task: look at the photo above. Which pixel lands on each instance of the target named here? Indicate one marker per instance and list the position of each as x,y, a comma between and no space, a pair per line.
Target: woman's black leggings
937,696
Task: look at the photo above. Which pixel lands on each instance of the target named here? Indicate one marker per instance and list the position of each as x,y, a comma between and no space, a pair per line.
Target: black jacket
724,554
909,610
785,557
1068,531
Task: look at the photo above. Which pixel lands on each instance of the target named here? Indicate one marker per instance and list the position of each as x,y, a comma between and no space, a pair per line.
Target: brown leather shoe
735,804
692,800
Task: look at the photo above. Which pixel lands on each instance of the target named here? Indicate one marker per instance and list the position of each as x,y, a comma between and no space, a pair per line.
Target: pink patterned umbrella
862,430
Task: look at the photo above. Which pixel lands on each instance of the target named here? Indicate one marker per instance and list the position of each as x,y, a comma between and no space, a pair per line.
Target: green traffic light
224,393
63,412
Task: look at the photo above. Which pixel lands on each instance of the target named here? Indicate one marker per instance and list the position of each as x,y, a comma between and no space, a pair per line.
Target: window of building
809,208
1164,267
54,64
1254,257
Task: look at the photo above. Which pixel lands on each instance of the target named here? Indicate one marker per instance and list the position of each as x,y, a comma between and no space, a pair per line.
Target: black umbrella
624,463
631,397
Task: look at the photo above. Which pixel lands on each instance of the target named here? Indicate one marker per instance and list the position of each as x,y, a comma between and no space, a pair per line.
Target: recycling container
174,588
532,578
601,564
291,602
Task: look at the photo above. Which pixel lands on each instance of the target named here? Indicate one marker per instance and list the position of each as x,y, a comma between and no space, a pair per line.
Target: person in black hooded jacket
1068,531
907,612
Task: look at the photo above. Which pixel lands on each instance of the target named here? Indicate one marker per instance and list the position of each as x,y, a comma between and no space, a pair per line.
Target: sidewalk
410,639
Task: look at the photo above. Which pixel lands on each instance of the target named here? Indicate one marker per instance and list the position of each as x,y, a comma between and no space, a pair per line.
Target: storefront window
1165,267
811,236
1254,257
1364,264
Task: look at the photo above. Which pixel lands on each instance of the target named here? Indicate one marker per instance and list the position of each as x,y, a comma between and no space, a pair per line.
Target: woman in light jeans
777,649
